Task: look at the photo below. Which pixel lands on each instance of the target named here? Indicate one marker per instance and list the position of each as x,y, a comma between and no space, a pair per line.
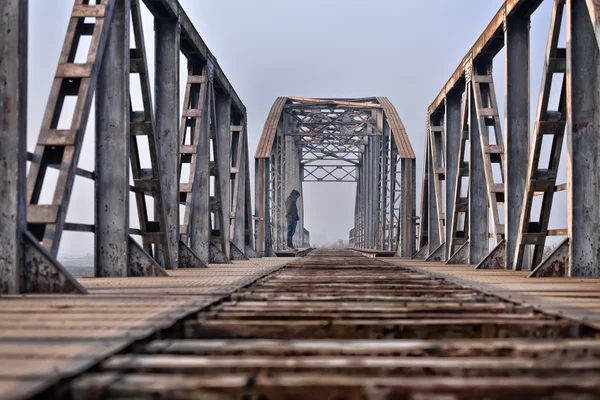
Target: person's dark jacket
291,209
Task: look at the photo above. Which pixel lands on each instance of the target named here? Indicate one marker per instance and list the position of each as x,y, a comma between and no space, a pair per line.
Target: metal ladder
542,181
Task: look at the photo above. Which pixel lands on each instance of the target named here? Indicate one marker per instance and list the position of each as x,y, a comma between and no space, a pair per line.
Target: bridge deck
573,298
332,320
48,338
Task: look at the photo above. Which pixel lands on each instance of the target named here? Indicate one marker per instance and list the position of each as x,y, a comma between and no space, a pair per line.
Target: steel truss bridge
481,184
337,140
271,328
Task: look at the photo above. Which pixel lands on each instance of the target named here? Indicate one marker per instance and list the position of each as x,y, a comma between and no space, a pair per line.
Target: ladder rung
85,11
236,128
192,113
483,79
545,174
463,205
183,229
57,137
142,128
543,185
185,188
533,238
557,65
234,170
68,226
495,149
557,232
440,171
497,188
437,129
73,70
153,237
488,112
551,127
187,149
196,79
145,185
42,213
136,65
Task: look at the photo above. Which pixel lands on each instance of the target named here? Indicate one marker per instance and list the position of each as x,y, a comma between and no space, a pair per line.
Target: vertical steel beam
407,212
453,131
433,221
478,197
223,140
516,44
199,227
374,183
424,212
259,197
166,96
267,215
111,255
238,210
583,141
13,138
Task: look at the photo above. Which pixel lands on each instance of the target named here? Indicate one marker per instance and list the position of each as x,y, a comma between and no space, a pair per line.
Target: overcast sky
402,49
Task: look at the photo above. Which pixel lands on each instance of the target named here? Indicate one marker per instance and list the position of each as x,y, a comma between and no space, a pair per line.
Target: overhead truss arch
359,140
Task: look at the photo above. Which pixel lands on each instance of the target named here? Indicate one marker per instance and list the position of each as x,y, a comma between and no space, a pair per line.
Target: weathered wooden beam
434,228
111,241
260,199
223,160
516,42
167,123
478,196
199,228
452,128
583,141
13,141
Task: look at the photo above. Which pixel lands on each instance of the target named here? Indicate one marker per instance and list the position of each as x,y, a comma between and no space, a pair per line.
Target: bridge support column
13,141
453,131
112,151
516,42
167,124
478,198
433,220
583,141
223,126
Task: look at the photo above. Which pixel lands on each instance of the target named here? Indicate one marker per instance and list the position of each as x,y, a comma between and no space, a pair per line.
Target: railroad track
339,325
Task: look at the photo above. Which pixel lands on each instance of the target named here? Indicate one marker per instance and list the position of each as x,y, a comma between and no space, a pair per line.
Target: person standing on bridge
291,215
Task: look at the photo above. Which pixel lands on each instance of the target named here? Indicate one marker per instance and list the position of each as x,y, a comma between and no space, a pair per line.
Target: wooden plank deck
47,338
574,298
